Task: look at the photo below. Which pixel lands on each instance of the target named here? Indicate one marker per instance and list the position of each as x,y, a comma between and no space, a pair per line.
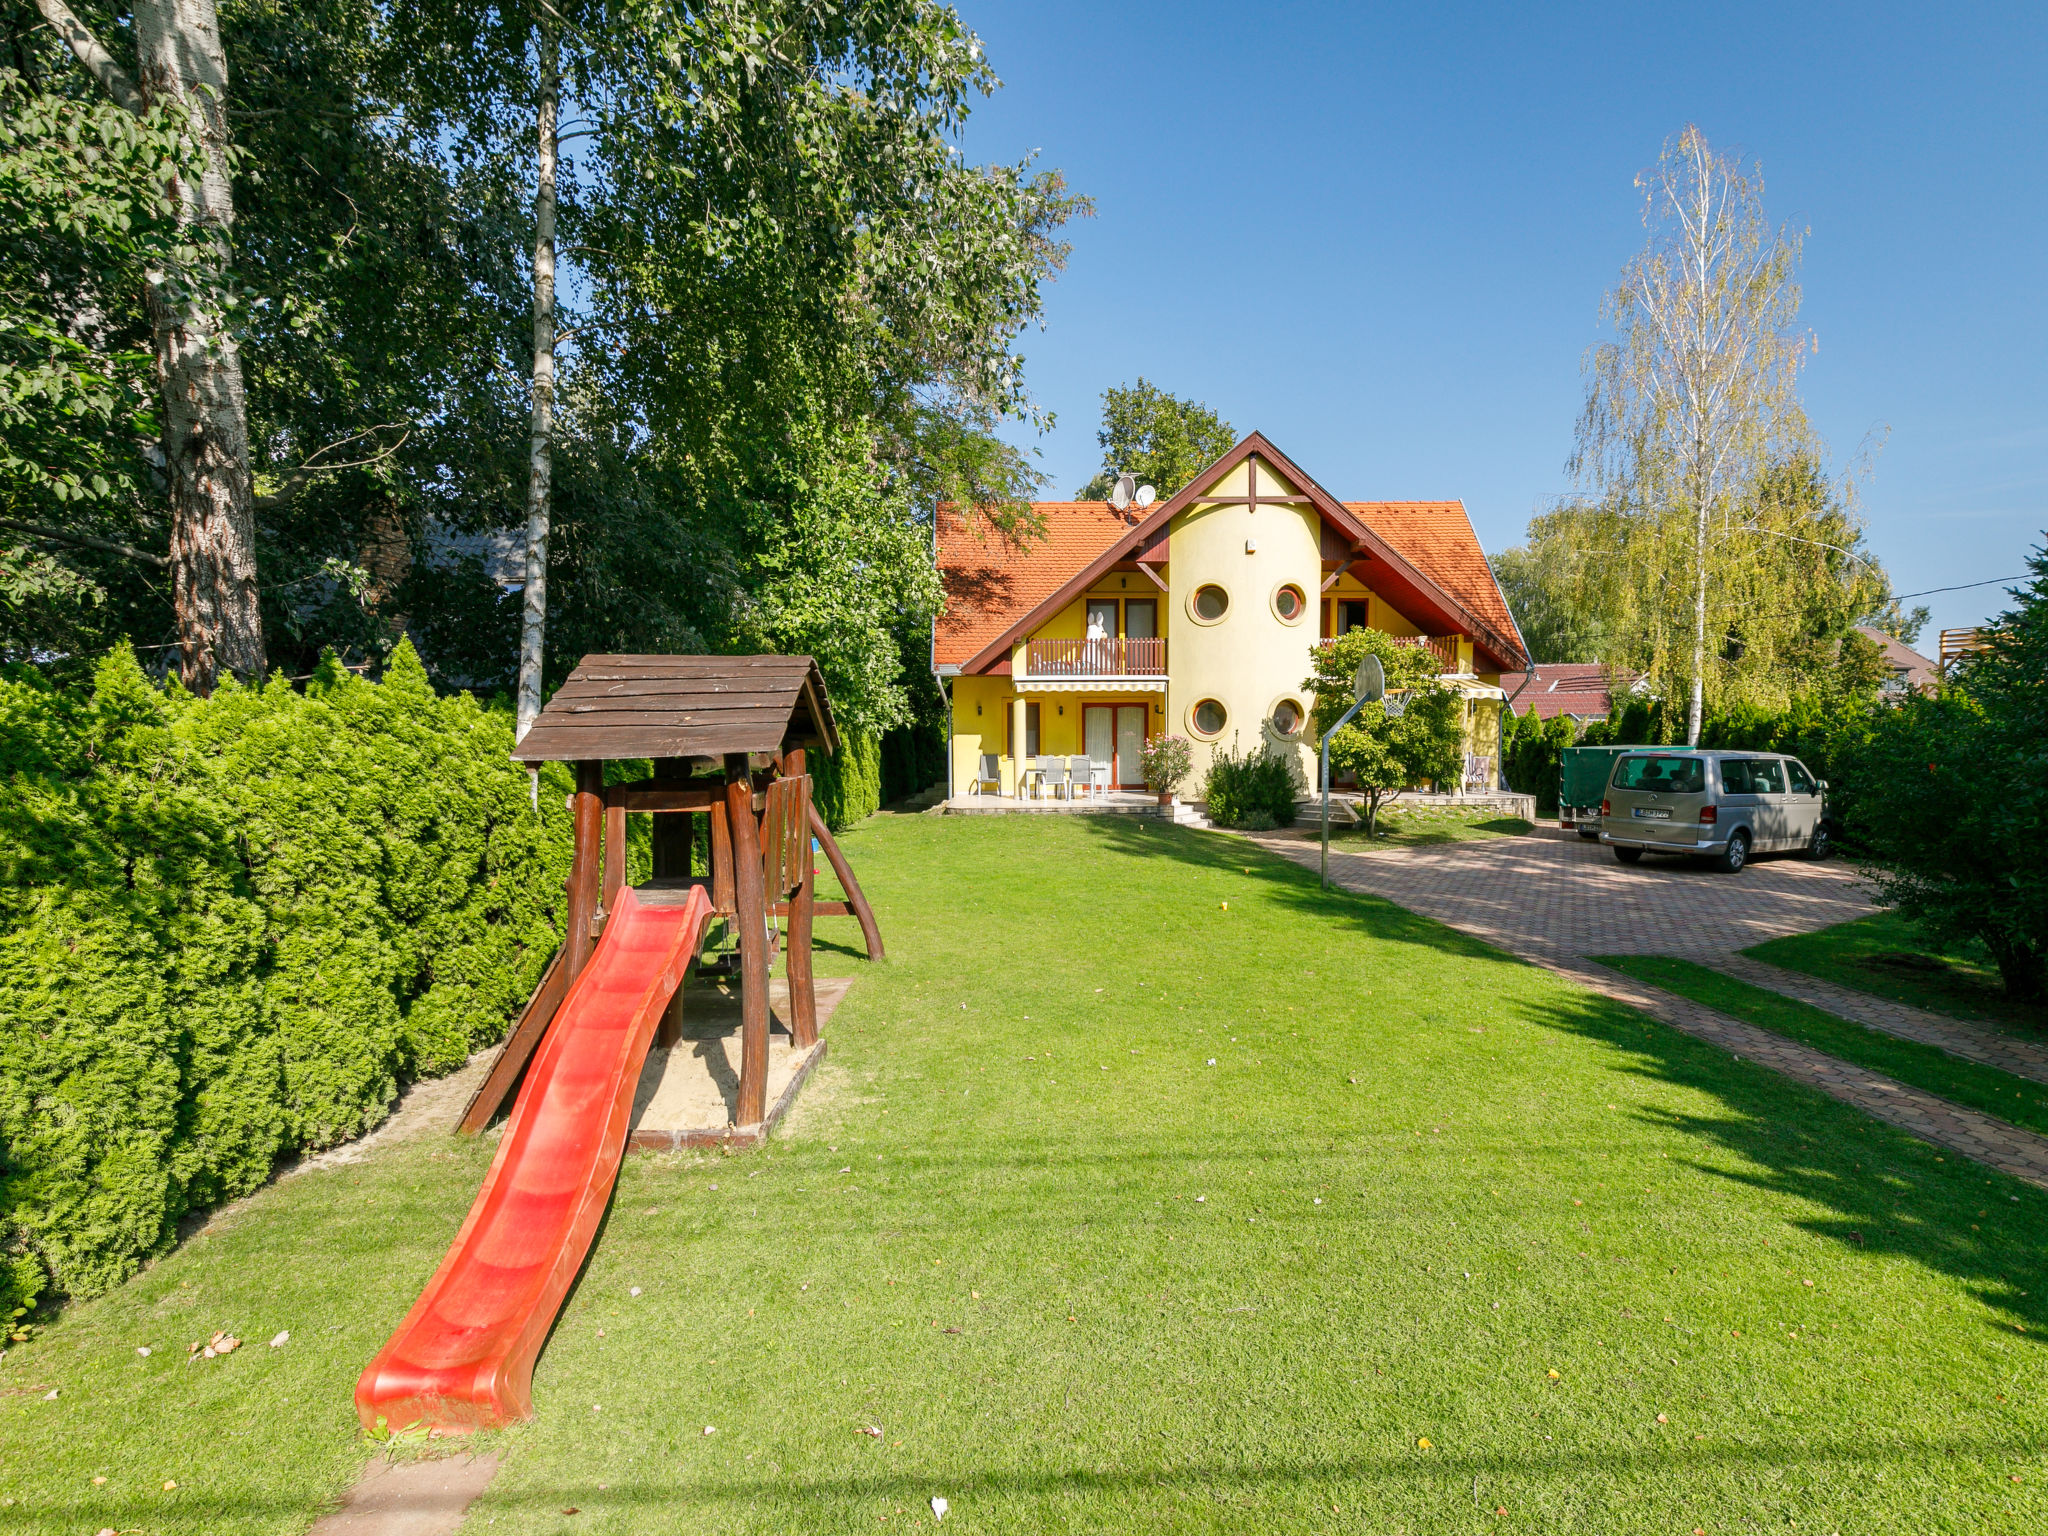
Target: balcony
1101,657
1443,647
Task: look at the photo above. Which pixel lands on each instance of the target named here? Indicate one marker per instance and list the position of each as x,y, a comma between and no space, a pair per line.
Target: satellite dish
1370,682
1146,495
1120,498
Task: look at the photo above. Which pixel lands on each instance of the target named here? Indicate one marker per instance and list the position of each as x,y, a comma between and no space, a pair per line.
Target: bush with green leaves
1385,754
1948,798
1532,755
1254,790
231,929
1166,762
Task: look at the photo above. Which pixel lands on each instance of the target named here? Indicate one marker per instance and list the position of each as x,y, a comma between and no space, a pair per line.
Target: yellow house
1199,615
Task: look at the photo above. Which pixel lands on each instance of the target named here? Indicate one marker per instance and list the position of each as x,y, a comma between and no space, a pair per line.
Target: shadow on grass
1884,1188
1218,1479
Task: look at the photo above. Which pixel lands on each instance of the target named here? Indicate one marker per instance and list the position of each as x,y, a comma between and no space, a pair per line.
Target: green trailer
1582,784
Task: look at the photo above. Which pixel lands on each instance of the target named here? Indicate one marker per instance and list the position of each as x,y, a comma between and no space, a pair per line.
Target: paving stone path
1557,900
1979,1043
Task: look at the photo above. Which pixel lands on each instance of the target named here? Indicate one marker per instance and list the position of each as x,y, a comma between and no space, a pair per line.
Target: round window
1287,718
1211,603
1208,718
1289,603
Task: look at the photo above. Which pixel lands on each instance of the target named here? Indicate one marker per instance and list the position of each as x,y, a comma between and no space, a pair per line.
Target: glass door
1098,735
1130,744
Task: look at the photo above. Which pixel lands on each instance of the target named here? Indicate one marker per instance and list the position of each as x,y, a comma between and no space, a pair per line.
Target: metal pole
1342,721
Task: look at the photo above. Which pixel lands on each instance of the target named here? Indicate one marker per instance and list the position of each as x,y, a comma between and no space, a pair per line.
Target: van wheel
1822,844
1629,855
1737,853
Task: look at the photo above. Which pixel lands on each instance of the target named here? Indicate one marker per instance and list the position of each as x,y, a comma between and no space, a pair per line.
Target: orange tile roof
1436,538
991,583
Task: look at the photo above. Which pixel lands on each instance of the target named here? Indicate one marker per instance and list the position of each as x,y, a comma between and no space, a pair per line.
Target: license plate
1651,813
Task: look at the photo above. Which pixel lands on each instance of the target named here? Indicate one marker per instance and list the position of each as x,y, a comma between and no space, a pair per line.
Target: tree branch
98,62
85,541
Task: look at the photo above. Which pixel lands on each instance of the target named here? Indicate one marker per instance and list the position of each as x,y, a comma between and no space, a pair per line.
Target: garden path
1557,900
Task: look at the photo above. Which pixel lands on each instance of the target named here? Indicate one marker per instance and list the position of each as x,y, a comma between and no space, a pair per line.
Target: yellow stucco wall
1251,659
1248,661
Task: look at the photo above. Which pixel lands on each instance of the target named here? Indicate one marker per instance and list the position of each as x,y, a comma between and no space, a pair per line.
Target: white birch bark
540,451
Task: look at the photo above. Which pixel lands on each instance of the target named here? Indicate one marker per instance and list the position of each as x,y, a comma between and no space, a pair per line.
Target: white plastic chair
1052,778
1079,772
990,772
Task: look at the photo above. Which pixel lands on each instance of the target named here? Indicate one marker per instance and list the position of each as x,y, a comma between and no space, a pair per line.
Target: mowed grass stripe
2010,1098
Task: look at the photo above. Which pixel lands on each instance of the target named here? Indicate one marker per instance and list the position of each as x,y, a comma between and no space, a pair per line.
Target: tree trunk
540,453
198,368
1696,707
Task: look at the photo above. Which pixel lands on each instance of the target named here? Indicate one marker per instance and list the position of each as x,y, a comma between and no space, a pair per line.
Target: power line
1996,581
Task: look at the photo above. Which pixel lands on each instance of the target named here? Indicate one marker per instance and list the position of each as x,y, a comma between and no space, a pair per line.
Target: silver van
1720,806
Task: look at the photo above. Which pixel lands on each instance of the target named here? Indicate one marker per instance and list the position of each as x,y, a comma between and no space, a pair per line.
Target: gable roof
990,582
681,706
1424,558
1579,689
1437,537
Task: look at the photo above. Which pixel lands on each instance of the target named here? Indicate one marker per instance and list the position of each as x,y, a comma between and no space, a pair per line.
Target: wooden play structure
590,1053
708,722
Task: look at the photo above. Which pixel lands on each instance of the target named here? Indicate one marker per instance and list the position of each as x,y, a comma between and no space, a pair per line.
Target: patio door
1115,738
1130,744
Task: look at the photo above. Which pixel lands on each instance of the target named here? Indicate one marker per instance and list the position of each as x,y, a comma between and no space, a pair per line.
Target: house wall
1251,659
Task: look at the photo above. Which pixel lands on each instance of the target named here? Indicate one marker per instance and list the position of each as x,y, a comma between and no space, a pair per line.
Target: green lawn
1418,826
1117,1208
1888,956
1997,1093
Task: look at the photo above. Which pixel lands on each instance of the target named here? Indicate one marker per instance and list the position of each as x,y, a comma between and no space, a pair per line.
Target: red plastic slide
463,1358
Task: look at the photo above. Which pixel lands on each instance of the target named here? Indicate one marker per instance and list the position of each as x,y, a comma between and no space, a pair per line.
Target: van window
1751,776
1802,781
1662,775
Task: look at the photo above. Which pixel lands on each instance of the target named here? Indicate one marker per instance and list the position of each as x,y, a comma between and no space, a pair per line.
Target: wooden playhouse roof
681,706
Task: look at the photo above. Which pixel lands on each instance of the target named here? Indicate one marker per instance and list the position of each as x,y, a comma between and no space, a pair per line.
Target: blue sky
1381,233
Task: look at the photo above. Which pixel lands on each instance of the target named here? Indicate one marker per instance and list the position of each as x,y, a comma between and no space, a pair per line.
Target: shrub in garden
1385,754
1166,762
231,928
1256,790
1948,797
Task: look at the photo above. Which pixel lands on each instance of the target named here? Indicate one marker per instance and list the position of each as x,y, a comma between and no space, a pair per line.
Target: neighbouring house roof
1907,664
1578,689
1425,559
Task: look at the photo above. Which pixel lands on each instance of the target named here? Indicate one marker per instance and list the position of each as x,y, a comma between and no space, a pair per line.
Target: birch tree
1696,397
541,445
204,423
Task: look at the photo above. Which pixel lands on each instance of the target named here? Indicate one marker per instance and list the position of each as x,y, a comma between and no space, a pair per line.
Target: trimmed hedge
847,784
231,928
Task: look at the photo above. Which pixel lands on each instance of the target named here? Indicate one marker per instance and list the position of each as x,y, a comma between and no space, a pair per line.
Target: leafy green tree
1949,795
1163,440
1385,754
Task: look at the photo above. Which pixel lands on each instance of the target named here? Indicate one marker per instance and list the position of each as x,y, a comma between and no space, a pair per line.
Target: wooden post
672,830
871,935
721,861
614,855
803,989
750,912
584,872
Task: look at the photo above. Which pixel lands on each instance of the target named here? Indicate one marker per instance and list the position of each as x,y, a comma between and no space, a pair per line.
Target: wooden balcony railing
1100,657
1443,647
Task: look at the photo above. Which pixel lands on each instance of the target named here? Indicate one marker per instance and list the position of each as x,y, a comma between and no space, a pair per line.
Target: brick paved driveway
1557,896
1557,899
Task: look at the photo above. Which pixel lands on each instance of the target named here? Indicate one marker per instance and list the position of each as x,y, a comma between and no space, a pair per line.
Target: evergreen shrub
847,784
232,928
1255,790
